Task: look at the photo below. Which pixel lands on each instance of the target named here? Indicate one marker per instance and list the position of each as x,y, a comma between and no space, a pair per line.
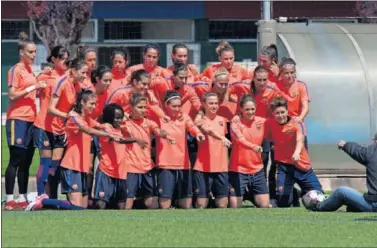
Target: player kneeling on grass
111,174
246,165
211,166
354,200
140,168
292,158
75,164
174,178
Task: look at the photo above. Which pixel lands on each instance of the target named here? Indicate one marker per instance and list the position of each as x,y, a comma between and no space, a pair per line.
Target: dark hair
23,41
83,95
108,113
75,63
257,69
57,52
82,50
152,46
271,51
278,102
246,98
207,95
170,95
224,46
122,51
179,66
136,98
99,72
137,75
287,61
177,46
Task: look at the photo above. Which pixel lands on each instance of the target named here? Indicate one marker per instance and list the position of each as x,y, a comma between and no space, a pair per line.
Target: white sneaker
31,205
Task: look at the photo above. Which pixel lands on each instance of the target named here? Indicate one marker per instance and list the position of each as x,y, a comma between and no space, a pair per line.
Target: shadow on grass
369,218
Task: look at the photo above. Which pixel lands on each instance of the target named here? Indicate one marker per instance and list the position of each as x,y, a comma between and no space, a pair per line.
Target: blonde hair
23,41
223,46
220,72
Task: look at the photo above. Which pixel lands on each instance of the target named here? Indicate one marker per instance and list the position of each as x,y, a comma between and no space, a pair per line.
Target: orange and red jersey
122,97
77,153
212,154
243,159
284,139
236,74
24,108
65,91
187,94
100,105
175,156
157,72
227,109
112,156
193,73
295,95
43,118
119,80
262,99
138,160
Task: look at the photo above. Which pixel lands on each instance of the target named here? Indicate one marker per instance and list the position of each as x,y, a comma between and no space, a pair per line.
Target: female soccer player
43,136
151,55
179,53
268,58
211,167
140,81
121,59
291,156
140,168
111,175
22,86
89,55
246,165
63,97
174,178
226,57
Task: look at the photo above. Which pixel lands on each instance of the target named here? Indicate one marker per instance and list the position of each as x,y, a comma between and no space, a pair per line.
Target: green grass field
188,228
5,155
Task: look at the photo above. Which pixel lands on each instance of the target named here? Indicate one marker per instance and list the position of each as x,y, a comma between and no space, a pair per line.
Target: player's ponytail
83,96
23,41
224,46
99,72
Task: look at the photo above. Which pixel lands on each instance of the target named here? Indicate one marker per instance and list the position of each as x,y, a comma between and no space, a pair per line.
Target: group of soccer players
163,136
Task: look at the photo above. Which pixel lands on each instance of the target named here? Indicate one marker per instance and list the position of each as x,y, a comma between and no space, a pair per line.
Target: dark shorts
108,189
287,176
255,183
142,184
95,147
73,181
174,182
45,140
19,133
206,182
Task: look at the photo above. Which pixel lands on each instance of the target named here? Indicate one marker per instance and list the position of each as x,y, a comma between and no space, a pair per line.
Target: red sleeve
207,75
75,123
304,93
236,131
194,99
14,77
191,128
153,127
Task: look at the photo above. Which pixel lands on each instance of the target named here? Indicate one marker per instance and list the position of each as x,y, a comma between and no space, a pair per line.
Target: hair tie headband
171,98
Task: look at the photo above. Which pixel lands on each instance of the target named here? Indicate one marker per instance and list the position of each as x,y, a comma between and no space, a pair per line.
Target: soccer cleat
22,205
11,205
37,203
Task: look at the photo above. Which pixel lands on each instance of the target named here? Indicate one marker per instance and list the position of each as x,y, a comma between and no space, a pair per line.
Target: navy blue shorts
255,183
73,181
287,176
45,140
139,184
95,147
215,182
19,133
108,188
174,182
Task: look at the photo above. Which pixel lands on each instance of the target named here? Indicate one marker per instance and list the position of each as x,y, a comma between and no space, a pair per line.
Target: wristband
30,88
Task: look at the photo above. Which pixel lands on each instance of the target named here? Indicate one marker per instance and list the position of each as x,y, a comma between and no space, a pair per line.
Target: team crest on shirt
264,100
19,141
294,93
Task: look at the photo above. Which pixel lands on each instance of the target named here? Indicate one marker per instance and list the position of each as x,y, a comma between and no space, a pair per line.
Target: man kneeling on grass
354,200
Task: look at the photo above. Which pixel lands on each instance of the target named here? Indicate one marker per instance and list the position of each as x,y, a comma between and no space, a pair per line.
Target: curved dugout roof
338,63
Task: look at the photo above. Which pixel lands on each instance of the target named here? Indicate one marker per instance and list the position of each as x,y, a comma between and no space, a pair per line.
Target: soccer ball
312,198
